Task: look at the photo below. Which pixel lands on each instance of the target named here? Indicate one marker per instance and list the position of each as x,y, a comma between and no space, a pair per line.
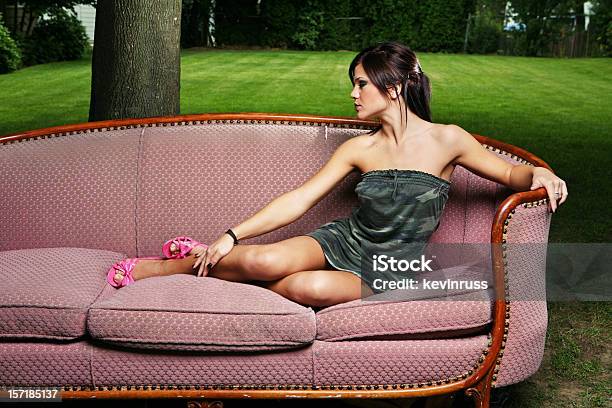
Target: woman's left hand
555,187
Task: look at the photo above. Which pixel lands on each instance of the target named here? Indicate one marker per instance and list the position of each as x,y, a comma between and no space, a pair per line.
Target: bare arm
290,206
470,154
287,207
279,212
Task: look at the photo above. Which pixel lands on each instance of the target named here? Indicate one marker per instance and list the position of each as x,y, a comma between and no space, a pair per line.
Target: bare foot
145,268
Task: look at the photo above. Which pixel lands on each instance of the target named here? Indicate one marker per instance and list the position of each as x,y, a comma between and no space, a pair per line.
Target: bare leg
270,262
246,262
292,268
319,288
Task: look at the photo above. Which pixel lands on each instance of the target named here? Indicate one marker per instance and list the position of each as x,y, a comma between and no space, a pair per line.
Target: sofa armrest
520,236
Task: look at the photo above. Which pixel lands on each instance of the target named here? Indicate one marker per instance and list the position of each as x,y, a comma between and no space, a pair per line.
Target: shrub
485,34
195,23
388,20
601,28
434,25
10,57
60,38
514,42
311,24
279,21
442,25
308,30
237,23
330,22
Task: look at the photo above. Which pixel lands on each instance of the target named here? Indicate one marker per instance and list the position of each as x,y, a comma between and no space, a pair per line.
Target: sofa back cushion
201,180
130,189
469,211
74,190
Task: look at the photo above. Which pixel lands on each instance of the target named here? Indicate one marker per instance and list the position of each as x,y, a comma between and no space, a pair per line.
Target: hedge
436,25
10,57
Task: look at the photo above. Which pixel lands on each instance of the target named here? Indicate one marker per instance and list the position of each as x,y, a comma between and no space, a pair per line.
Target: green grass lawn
558,109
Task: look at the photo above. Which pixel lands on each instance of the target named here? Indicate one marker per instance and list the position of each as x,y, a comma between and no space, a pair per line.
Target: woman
407,159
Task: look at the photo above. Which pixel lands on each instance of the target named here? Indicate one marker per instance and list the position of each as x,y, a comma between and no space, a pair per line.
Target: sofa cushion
46,292
118,367
45,363
184,312
416,313
451,316
396,362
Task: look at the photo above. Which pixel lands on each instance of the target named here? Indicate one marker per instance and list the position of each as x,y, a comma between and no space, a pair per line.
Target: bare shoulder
451,134
361,141
356,145
454,138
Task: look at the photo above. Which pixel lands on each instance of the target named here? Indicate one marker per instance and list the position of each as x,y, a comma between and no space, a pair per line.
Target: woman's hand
207,258
555,187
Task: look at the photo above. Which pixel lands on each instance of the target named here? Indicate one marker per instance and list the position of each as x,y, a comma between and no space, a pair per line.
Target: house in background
586,10
85,14
87,17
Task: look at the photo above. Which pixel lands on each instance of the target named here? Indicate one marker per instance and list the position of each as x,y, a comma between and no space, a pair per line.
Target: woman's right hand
207,258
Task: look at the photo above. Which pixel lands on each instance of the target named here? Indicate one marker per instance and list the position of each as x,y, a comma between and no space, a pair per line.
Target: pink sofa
76,199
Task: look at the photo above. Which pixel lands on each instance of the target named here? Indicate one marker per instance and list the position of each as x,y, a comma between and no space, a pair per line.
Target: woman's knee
262,263
275,261
325,288
313,289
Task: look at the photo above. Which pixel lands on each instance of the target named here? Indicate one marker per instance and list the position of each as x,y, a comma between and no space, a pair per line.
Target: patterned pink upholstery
46,292
174,193
450,317
70,191
24,363
121,367
130,190
339,363
218,175
394,362
468,214
527,231
183,312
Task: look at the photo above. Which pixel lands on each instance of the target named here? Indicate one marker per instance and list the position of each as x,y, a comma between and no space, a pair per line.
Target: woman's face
369,102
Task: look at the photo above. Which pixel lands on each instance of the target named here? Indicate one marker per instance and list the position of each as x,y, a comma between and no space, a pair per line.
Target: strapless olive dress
396,207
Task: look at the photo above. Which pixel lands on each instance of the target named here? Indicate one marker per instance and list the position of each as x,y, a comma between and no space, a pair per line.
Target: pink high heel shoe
180,247
125,266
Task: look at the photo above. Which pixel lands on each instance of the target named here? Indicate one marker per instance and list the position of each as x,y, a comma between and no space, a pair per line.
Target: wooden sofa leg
481,392
205,404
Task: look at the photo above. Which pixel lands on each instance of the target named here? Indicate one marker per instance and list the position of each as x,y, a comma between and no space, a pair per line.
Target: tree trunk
136,59
210,36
